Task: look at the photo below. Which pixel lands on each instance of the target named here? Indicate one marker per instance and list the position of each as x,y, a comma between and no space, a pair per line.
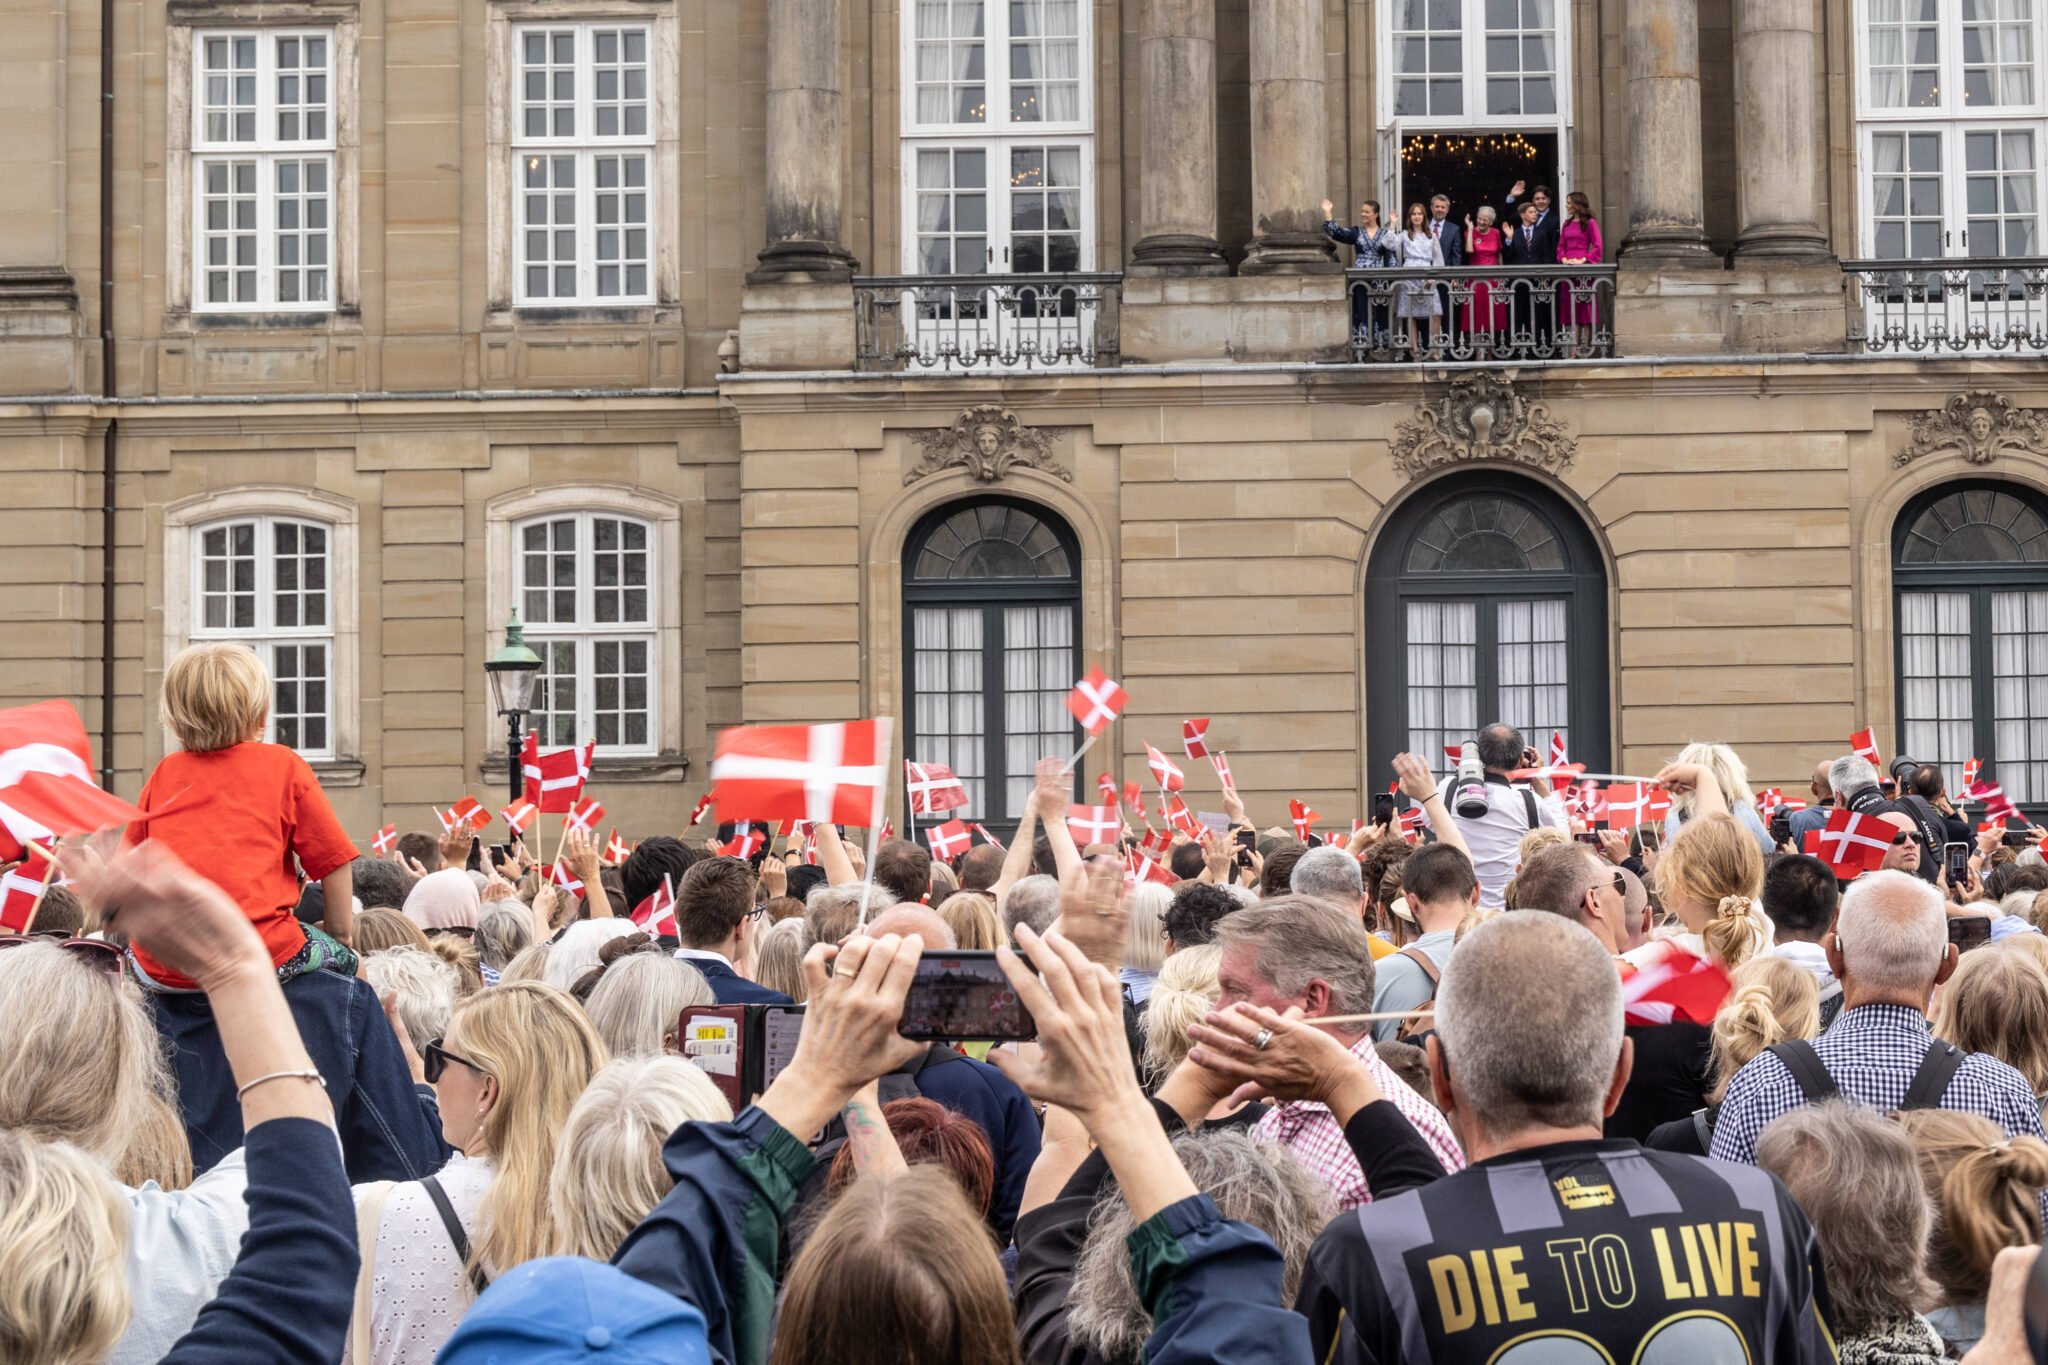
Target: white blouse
418,1292
181,1245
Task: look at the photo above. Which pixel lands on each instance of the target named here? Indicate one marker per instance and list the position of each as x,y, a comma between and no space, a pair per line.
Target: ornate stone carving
1482,418
988,442
1977,425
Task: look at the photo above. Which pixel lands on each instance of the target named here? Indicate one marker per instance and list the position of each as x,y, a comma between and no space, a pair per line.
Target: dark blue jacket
1007,1119
728,987
288,1298
387,1131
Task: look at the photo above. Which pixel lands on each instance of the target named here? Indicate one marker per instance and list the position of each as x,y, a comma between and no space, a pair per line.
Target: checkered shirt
1872,1052
1312,1133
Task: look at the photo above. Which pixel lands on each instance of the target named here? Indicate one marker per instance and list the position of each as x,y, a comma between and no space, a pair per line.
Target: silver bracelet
307,1075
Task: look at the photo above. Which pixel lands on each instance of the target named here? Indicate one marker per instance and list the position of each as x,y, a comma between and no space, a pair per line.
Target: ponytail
1733,935
1986,1189
1774,999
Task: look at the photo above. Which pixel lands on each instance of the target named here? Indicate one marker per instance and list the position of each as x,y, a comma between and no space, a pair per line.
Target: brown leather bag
1423,1017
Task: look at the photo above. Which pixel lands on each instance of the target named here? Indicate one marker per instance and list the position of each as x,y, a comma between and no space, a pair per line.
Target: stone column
1177,140
804,144
1664,213
1290,137
1776,142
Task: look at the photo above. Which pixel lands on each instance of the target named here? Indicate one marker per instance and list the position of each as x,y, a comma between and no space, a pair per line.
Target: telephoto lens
1471,794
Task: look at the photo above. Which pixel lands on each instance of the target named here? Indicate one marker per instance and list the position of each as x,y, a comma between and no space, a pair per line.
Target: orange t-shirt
251,808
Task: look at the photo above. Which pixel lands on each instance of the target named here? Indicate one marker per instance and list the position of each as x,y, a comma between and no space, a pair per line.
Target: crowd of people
1399,311
1478,1085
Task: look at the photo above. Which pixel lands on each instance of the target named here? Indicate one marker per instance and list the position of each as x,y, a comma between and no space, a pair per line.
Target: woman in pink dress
1483,243
1578,243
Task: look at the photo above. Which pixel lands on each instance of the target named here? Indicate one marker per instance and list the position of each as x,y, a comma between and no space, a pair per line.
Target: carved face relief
988,442
1481,417
1980,425
988,439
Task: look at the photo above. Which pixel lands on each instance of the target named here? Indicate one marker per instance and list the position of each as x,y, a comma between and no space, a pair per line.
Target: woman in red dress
1485,315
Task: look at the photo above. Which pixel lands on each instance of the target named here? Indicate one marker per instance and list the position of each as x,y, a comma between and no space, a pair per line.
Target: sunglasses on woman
103,957
436,1058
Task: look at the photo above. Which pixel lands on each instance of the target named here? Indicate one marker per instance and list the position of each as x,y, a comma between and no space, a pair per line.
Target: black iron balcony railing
1983,304
1484,312
986,322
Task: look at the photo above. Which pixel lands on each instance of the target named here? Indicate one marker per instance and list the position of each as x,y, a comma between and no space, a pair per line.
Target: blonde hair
527,964
1714,863
972,918
779,957
63,1256
608,1173
1731,774
1774,999
637,1001
84,1064
215,696
1182,997
1541,837
538,1045
1986,1190
460,955
378,928
1144,947
1474,917
1997,1002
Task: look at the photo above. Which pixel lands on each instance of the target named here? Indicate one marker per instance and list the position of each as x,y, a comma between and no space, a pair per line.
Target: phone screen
501,854
963,995
1588,836
1969,931
2021,837
781,1026
1958,857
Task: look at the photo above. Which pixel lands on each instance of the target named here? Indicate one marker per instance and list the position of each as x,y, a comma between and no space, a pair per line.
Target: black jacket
1538,248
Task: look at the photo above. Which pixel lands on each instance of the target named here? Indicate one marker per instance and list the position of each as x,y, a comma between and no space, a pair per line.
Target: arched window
265,581
991,605
1485,601
1970,581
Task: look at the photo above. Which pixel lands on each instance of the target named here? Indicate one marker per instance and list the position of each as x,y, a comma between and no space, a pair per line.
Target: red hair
927,1131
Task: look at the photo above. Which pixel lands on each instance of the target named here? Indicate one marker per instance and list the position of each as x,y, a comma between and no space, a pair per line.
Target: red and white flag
1140,867
1135,799
932,788
1181,818
616,850
1853,844
45,738
467,812
1557,758
20,893
1094,824
1107,786
554,780
1221,762
1096,701
1677,988
1411,823
1626,804
386,840
1864,744
1767,800
1194,737
519,816
746,841
704,803
1169,778
949,840
657,913
584,814
989,837
1970,770
834,774
1658,809
561,876
1304,818
1997,805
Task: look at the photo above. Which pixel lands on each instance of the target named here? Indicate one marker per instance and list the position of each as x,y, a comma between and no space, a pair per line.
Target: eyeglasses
436,1058
1621,886
102,957
1900,839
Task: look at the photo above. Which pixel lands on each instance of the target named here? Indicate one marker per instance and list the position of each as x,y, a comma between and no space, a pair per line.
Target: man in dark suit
1546,222
1532,313
715,923
1450,239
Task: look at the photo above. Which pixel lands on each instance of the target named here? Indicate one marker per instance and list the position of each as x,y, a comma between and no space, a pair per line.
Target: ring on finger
1262,1039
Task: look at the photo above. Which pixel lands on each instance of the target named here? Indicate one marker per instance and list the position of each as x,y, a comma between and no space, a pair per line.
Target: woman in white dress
508,1071
1415,299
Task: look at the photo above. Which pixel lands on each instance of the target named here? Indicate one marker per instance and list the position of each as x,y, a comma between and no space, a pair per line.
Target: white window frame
184,524
996,137
586,148
1955,216
1950,72
264,154
1474,34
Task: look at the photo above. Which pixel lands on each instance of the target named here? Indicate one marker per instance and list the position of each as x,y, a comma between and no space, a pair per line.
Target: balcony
1981,305
1517,313
986,323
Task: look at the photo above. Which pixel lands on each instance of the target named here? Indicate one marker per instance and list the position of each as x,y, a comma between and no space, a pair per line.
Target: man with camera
1491,813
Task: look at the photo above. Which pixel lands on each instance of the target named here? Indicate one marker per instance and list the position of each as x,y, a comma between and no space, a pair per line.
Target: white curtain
1038,672
947,694
2019,648
1887,55
1443,692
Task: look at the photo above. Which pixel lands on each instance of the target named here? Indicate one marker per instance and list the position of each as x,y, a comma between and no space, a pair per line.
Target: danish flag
1107,786
45,738
1864,743
746,841
1557,758
703,804
1996,803
1304,818
616,850
1169,778
584,815
1221,761
1767,800
1411,823
1659,809
657,913
20,895
1181,818
1194,736
1970,771
562,877
1094,824
554,780
833,774
1679,987
386,840
1139,867
949,840
519,816
468,811
986,835
932,788
1854,843
1626,803
1096,701
1135,799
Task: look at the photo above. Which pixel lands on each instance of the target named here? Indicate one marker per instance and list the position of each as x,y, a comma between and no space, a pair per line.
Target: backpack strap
1423,960
369,1218
1703,1130
1529,804
478,1280
1805,1065
1930,1082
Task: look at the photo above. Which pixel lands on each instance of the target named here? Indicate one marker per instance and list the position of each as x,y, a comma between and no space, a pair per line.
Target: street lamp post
513,671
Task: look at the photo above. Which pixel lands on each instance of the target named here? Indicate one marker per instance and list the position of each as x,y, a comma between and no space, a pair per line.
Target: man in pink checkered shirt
1296,952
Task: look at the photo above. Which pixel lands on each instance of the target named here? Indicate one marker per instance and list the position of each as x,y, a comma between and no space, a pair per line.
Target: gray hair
608,1174
833,912
1243,895
1034,900
503,932
575,952
1296,940
1144,942
1850,774
1529,1019
635,1004
424,984
1857,1177
1893,931
1329,874
1256,1183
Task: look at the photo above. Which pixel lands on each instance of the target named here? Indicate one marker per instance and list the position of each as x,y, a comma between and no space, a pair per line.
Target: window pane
1039,669
1934,680
1443,683
947,699
2019,651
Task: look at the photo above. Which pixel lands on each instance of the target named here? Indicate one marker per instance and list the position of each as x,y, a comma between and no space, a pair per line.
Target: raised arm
1051,798
1421,788
832,857
1017,858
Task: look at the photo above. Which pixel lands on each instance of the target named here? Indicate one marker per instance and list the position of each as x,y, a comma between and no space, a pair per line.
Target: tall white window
585,586
998,127
265,581
1471,61
583,154
263,170
1952,117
